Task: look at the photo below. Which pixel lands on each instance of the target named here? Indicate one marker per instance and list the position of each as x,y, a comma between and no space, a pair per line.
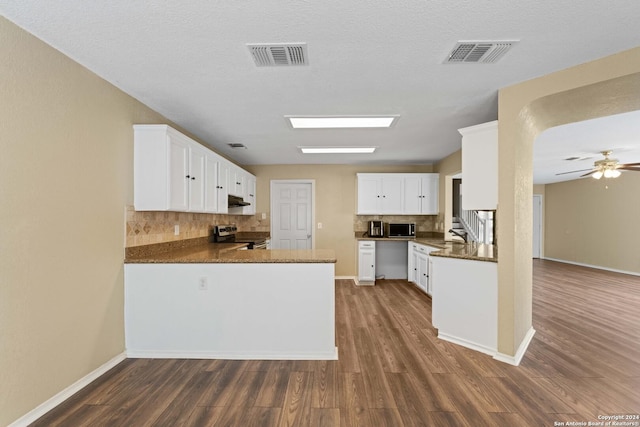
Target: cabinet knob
193,177
187,176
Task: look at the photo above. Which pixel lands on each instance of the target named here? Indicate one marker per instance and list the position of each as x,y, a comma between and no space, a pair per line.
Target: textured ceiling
189,61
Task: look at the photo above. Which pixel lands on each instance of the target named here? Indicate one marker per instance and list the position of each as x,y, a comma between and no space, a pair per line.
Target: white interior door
292,214
537,226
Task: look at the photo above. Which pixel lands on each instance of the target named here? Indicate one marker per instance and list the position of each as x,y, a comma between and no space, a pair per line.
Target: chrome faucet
461,235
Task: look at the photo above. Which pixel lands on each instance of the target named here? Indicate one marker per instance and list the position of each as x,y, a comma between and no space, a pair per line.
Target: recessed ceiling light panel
336,122
337,150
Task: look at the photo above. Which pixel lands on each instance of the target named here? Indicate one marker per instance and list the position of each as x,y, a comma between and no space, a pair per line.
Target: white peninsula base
465,302
230,311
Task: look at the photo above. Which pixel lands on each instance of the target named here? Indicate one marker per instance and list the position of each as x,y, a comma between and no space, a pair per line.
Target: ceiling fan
607,167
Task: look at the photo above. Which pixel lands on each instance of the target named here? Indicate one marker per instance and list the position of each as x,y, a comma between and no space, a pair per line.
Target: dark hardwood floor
584,362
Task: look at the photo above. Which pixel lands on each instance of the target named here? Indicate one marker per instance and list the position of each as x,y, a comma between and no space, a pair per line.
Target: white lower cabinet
366,262
418,267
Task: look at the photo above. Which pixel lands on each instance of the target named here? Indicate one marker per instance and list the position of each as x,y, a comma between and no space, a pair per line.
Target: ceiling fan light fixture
597,174
611,173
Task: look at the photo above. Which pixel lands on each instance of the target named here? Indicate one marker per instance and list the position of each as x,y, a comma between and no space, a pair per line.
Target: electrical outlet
264,215
319,226
203,284
176,229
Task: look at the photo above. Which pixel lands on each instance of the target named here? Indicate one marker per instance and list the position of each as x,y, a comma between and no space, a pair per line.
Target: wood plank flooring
583,362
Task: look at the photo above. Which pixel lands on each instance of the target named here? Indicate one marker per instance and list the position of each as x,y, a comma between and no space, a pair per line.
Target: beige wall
591,222
447,167
607,86
335,202
65,178
539,189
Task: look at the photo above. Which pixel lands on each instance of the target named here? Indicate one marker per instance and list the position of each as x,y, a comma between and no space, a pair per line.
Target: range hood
235,201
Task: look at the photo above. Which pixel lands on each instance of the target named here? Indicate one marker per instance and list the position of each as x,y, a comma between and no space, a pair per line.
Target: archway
604,87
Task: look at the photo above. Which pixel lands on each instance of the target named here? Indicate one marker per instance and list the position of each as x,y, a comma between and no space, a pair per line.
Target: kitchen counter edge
214,253
467,251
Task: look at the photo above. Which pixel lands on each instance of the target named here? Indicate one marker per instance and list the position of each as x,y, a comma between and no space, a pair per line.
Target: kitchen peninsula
213,301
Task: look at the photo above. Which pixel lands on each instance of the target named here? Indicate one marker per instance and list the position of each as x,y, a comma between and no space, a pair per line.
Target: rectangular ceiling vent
236,145
486,52
282,54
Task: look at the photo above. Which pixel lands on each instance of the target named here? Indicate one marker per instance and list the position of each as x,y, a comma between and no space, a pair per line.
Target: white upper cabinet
174,173
397,194
216,177
480,166
250,195
379,193
197,179
178,166
421,194
237,187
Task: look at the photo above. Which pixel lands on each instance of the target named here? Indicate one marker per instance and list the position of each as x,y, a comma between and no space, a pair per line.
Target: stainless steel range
227,234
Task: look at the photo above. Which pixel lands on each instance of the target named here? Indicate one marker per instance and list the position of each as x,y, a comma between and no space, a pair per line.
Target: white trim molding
469,344
56,400
160,354
597,267
522,349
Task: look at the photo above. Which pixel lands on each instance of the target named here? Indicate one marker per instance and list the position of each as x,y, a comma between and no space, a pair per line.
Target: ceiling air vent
283,54
486,52
237,145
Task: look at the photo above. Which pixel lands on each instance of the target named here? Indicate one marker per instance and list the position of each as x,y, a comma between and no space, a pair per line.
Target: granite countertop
461,250
469,251
226,253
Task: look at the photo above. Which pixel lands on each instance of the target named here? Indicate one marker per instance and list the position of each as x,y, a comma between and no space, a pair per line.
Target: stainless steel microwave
401,230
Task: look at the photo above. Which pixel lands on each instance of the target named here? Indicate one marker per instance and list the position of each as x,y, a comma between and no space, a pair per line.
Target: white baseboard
56,400
469,344
597,267
346,278
161,354
522,349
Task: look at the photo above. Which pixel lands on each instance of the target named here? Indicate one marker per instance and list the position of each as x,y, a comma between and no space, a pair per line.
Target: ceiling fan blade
627,168
589,173
580,170
628,164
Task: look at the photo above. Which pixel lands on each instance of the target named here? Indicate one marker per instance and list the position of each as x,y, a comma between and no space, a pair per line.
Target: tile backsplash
148,227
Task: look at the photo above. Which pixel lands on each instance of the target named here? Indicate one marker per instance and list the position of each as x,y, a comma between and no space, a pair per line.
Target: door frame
275,182
539,207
